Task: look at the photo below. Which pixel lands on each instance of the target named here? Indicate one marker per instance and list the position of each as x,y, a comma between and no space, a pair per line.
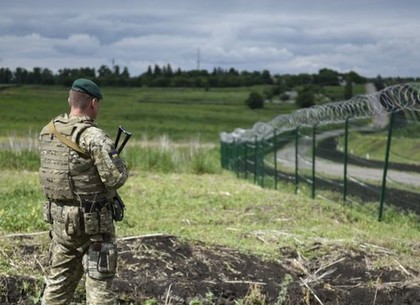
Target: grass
176,185
182,114
220,209
373,146
336,93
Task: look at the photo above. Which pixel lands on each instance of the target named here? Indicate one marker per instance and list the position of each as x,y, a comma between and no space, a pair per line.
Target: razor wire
391,99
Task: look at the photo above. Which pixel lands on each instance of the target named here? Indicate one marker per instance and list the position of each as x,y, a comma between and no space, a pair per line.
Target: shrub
255,100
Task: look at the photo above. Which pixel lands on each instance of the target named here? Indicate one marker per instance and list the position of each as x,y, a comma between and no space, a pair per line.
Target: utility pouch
105,220
118,207
72,222
47,212
91,221
101,260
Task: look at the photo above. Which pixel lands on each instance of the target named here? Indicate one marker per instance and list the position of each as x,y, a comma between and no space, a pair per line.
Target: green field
177,186
181,114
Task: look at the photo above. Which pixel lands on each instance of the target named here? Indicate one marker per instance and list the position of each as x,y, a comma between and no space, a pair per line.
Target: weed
254,296
281,299
151,302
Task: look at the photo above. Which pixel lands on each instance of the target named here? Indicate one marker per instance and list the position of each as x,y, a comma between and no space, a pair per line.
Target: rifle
119,206
117,140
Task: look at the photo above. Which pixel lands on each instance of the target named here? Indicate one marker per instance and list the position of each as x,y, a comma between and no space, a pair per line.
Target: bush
306,97
255,100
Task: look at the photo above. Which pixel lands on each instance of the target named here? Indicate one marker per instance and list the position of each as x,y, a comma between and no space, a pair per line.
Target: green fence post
313,159
261,158
230,154
297,160
246,160
255,160
346,158
237,158
386,163
275,159
222,155
241,158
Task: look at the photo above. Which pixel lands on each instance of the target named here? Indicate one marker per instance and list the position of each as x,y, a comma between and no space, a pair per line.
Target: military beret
87,86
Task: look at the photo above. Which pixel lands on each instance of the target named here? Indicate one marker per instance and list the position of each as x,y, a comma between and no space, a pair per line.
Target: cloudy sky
371,37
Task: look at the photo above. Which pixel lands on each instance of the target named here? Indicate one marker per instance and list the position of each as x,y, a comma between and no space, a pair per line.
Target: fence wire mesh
318,148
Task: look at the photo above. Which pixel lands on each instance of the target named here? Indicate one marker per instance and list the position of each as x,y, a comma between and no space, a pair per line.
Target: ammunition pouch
117,208
97,218
100,260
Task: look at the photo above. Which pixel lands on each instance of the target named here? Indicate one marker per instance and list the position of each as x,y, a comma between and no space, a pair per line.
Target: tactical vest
64,173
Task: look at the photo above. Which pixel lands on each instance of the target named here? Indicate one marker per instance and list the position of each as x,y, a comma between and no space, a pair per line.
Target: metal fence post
246,160
261,161
313,159
346,158
255,160
275,159
297,160
222,154
386,163
236,158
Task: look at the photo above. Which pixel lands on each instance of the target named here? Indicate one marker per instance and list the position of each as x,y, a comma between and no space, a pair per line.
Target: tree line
165,76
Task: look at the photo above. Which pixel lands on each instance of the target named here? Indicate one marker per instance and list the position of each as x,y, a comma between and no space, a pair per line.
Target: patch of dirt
173,271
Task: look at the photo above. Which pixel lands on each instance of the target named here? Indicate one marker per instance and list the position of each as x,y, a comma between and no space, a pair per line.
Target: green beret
87,86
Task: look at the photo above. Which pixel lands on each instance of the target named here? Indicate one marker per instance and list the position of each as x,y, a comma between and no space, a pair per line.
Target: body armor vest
64,173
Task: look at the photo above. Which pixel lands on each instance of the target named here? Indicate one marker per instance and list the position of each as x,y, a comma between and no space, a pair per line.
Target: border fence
312,149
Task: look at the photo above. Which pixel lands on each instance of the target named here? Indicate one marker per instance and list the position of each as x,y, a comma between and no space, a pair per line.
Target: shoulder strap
64,140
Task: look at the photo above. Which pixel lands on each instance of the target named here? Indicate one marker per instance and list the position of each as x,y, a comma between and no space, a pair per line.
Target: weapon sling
65,140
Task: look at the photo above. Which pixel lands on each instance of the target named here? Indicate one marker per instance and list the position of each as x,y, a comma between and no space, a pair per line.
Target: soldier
80,172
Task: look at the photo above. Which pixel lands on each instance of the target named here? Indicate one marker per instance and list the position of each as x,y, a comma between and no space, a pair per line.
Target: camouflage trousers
67,267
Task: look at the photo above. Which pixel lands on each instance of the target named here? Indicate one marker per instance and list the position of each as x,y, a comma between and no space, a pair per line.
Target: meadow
177,186
175,134
182,114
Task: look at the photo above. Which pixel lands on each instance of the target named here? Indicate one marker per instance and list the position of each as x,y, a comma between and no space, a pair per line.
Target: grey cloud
375,36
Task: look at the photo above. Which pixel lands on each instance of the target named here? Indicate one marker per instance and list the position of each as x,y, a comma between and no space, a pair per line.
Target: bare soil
172,271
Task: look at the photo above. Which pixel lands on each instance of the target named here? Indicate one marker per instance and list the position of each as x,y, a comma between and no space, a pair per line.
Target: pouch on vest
118,207
105,220
91,222
101,260
72,220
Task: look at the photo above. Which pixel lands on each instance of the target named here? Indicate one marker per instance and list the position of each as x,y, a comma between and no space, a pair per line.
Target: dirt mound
172,271
176,272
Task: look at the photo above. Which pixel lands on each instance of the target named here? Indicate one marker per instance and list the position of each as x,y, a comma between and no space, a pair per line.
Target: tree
356,78
5,76
266,77
327,77
379,83
255,100
348,89
306,97
47,77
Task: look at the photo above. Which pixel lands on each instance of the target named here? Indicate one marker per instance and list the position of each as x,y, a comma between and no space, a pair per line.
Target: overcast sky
370,37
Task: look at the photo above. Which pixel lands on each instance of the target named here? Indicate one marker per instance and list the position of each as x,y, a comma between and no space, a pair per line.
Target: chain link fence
362,149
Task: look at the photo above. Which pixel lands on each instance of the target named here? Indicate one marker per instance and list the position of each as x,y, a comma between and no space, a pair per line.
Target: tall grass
163,155
156,155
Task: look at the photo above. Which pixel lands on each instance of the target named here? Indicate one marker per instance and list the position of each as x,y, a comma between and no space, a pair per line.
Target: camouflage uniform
80,189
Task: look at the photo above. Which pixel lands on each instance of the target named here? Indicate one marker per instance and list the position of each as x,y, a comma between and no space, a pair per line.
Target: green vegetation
404,149
220,209
181,114
177,186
